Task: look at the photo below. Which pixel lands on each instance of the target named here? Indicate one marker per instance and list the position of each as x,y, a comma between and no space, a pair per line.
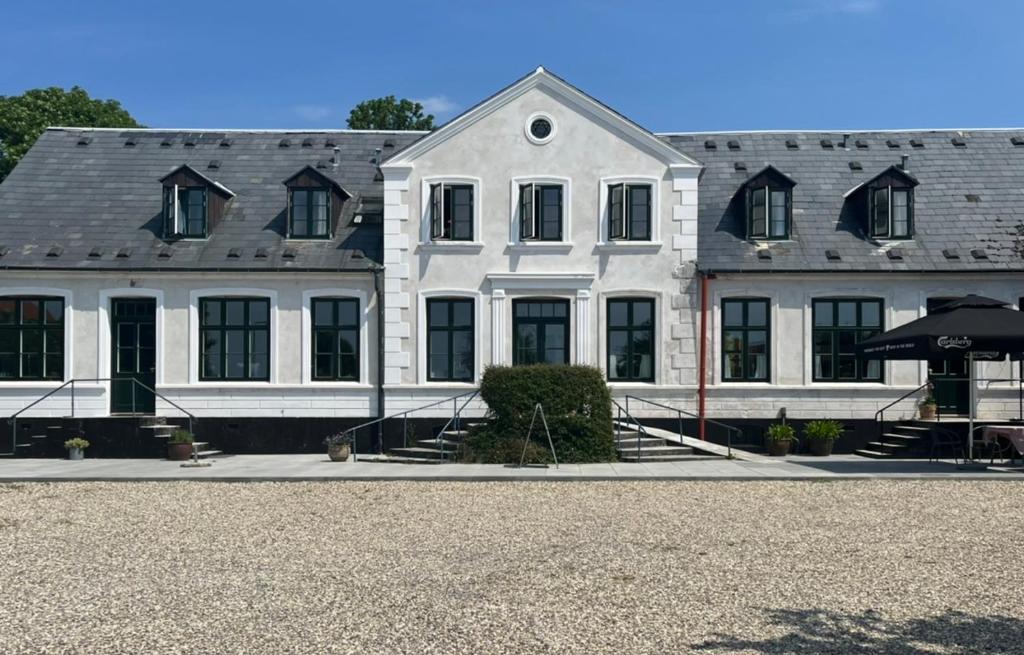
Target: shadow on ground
821,631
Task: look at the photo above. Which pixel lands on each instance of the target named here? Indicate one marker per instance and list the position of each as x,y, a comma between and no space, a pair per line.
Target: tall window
839,325
310,209
451,212
629,212
631,340
768,213
450,340
31,338
185,210
235,339
540,332
540,212
335,339
891,212
745,340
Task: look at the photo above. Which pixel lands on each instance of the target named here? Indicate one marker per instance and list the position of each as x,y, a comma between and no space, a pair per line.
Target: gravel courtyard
577,567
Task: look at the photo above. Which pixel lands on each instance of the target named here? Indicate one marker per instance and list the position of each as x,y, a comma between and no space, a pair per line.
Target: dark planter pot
179,452
339,452
778,448
820,447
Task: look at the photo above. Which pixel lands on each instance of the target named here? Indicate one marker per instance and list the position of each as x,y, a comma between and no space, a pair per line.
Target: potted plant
821,435
780,436
339,446
76,448
179,445
927,408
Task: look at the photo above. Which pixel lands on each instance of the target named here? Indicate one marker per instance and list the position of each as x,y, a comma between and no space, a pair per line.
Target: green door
133,353
949,377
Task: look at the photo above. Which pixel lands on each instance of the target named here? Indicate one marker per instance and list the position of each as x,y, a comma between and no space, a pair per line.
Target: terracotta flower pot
820,447
339,452
179,452
927,411
778,448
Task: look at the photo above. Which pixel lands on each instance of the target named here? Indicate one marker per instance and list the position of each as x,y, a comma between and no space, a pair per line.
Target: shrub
77,442
781,432
181,436
577,406
823,430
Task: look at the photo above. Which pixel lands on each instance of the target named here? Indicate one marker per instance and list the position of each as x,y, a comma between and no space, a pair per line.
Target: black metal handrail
680,413
641,432
880,414
455,421
404,415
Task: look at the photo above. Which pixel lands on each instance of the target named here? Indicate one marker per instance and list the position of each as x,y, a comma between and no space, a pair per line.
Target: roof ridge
847,131
67,128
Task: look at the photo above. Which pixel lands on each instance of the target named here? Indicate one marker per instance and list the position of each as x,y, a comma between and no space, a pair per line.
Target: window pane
8,366
822,342
54,366
7,312
323,312
778,213
846,314
212,367
54,312
323,364
32,365
640,212
259,342
847,368
323,341
348,312
757,314
437,344
618,314
8,341
259,366
32,341
881,208
30,312
732,341
823,367
822,314
900,214
618,355
258,312
234,312
870,314
757,213
437,313
732,313
641,314
211,312
462,355
462,314
733,367
320,213
347,340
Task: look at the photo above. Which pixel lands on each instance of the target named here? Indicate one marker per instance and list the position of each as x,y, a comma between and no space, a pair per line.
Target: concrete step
208,453
435,444
666,458
911,428
417,452
880,446
395,459
873,454
645,442
657,450
903,438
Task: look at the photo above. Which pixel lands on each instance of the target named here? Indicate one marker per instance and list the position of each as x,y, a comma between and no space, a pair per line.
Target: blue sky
671,66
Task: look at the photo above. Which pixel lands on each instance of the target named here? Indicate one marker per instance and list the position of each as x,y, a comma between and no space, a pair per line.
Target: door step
873,454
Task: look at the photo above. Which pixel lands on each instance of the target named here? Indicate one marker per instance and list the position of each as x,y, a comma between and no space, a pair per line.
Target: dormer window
629,212
540,212
769,202
891,212
451,212
310,209
185,212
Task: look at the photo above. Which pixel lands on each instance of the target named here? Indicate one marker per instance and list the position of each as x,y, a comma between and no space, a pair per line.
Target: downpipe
378,291
703,355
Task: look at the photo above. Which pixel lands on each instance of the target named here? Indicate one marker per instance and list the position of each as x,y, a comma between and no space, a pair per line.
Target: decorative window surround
421,331
69,341
534,139
193,334
661,336
888,319
426,243
513,234
103,328
654,243
307,332
774,345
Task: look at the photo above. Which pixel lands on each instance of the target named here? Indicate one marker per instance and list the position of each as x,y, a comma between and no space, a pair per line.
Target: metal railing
623,412
352,433
12,420
730,430
455,422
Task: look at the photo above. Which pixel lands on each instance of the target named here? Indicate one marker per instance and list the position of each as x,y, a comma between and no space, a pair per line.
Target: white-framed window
541,211
233,336
330,340
37,337
630,210
450,211
449,323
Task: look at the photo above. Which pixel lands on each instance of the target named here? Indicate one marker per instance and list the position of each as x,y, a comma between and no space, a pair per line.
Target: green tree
389,114
23,118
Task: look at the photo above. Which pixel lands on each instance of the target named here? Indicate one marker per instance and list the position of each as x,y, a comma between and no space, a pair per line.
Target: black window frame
541,345
533,217
622,221
769,191
310,219
745,329
861,332
631,330
444,225
47,334
450,329
336,329
222,328
169,207
889,231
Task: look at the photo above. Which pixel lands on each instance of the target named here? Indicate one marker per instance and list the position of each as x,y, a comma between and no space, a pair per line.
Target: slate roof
989,165
106,196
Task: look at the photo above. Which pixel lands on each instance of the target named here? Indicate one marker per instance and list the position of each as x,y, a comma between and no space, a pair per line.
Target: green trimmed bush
577,405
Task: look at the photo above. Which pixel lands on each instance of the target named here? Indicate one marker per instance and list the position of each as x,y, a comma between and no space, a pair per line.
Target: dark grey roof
989,165
106,195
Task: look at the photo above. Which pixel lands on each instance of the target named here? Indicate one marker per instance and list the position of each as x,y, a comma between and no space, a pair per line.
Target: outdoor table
1012,433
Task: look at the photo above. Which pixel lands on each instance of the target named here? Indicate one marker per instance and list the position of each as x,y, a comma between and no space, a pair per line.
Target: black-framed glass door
540,331
133,355
949,377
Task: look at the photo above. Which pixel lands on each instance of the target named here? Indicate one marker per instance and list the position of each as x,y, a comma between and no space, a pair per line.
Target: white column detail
582,326
498,327
396,271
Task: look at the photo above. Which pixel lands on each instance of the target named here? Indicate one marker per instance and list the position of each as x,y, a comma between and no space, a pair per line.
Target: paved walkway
318,467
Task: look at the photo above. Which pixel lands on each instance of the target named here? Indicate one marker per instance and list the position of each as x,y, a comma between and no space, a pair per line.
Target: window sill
541,245
313,239
450,246
629,246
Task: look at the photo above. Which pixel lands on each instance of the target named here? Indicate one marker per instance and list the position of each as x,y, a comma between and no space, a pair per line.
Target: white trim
529,124
104,335
67,128
530,281
307,338
715,327
513,229
447,244
69,341
421,334
603,209
823,293
661,336
193,333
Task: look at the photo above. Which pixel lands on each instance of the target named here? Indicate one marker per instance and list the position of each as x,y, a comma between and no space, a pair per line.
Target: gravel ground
605,567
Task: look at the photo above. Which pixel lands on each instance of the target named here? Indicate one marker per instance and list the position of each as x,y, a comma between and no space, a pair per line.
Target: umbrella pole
970,414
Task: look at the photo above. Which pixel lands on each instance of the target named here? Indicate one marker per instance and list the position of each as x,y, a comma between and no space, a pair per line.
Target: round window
540,128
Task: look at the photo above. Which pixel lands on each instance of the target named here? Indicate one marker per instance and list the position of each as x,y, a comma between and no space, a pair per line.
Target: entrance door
951,395
541,331
133,355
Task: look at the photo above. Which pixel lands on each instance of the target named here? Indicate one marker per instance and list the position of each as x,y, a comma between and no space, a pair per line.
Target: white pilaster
499,315
583,326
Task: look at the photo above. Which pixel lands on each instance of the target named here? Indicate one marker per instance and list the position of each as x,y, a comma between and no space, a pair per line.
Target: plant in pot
780,436
179,445
821,435
928,408
339,446
76,448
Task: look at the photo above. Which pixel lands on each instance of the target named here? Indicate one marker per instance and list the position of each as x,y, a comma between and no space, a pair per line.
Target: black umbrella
974,327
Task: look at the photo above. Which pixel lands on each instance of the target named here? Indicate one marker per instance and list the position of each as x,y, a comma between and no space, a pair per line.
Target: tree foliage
23,118
389,114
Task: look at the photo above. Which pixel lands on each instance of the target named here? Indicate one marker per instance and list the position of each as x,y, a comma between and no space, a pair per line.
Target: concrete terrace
244,468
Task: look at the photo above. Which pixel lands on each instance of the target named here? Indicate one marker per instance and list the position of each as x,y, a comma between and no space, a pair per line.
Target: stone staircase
161,429
634,446
903,439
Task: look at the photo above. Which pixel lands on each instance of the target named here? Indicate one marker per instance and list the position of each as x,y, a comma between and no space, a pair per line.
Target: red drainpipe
702,372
